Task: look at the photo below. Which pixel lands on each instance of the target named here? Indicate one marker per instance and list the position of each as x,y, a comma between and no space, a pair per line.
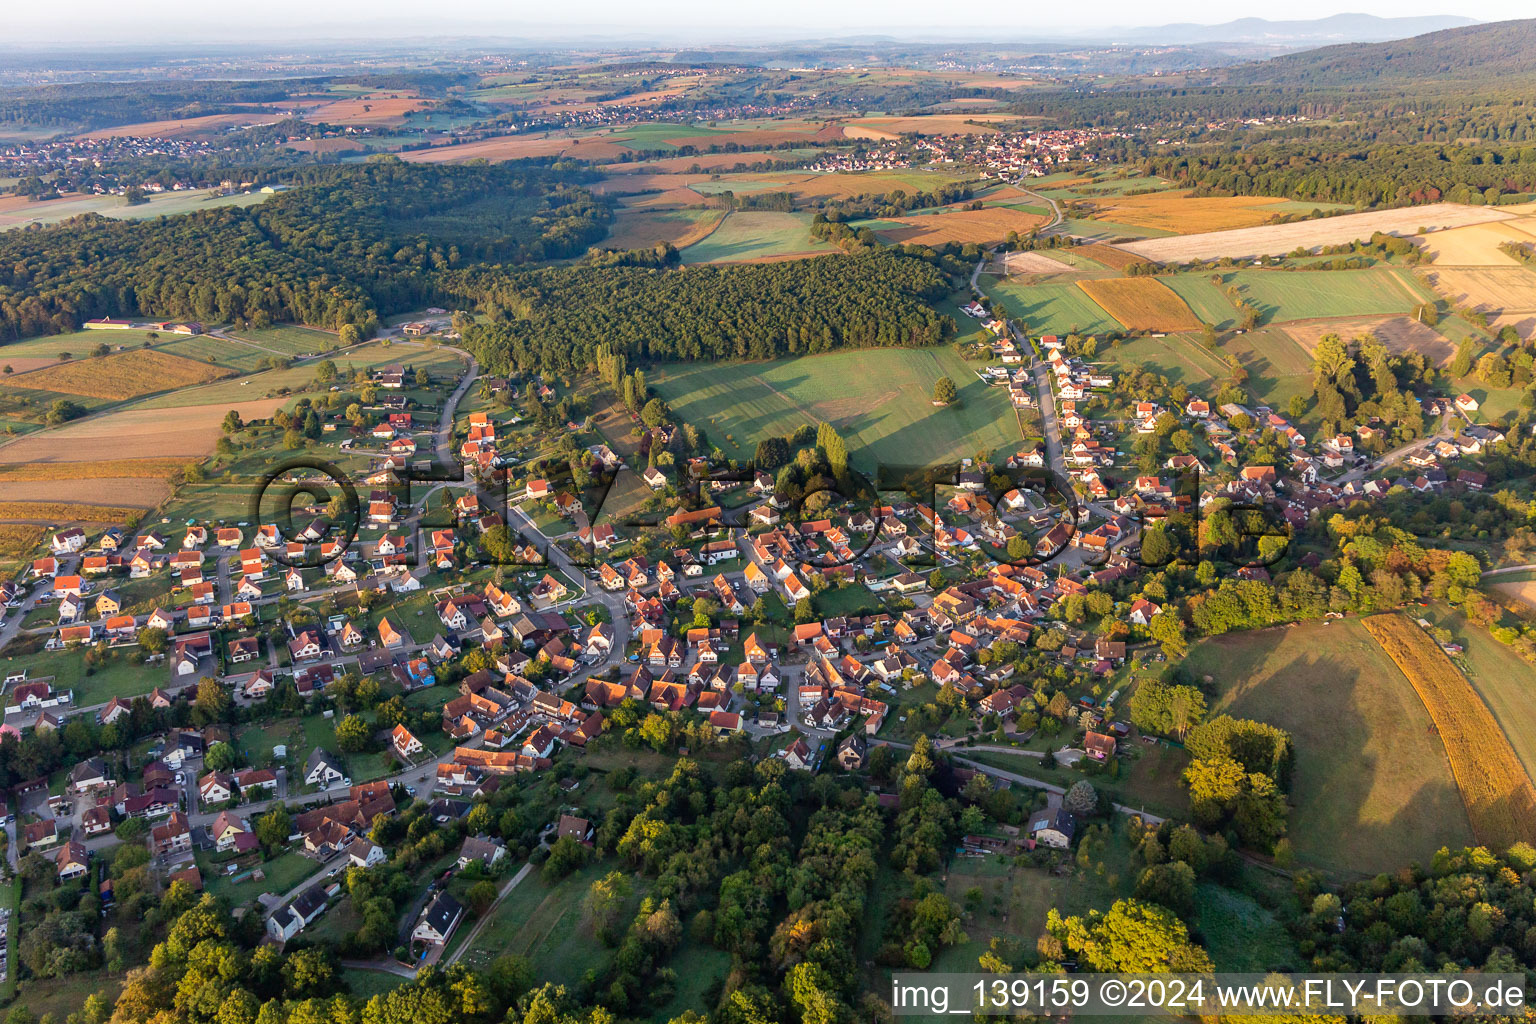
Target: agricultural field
1179,359
1279,239
941,124
1397,333
1118,232
1112,257
377,109
1502,678
1209,301
1489,289
748,236
1372,789
1500,800
37,353
19,211
173,128
1276,365
1017,264
60,511
987,225
879,400
1176,211
1052,308
288,339
1141,303
706,162
117,376
638,229
1478,245
1281,295
137,433
205,348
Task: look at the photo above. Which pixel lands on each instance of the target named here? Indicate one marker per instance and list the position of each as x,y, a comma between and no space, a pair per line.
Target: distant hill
1488,53
1339,28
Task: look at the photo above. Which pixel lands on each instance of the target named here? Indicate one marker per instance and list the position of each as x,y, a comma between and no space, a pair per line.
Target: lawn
1240,934
281,874
60,997
878,399
367,984
545,923
1015,900
1372,788
756,235
1052,308
1307,294
123,676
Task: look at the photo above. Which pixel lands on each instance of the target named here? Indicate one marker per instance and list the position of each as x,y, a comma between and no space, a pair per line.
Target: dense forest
355,241
1474,52
102,104
554,319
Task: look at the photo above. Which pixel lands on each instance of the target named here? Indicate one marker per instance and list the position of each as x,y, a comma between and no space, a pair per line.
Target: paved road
1444,432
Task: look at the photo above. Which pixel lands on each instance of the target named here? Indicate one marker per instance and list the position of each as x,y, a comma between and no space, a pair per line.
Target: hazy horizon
673,22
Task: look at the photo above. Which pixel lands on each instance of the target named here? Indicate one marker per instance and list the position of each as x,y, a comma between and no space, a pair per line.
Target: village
810,637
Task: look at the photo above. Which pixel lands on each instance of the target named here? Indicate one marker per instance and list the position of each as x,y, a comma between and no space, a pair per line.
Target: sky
170,21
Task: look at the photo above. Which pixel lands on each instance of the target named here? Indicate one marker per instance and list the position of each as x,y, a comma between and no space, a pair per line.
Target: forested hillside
1477,52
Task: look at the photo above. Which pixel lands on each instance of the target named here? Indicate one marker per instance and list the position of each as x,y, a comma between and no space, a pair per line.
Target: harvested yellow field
64,512
1398,333
936,124
97,470
119,375
184,431
639,229
668,199
517,147
1477,245
208,124
1142,304
1176,211
1013,263
1491,289
1111,256
378,108
1279,239
116,491
1500,800
990,224
1523,592
633,184
710,162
